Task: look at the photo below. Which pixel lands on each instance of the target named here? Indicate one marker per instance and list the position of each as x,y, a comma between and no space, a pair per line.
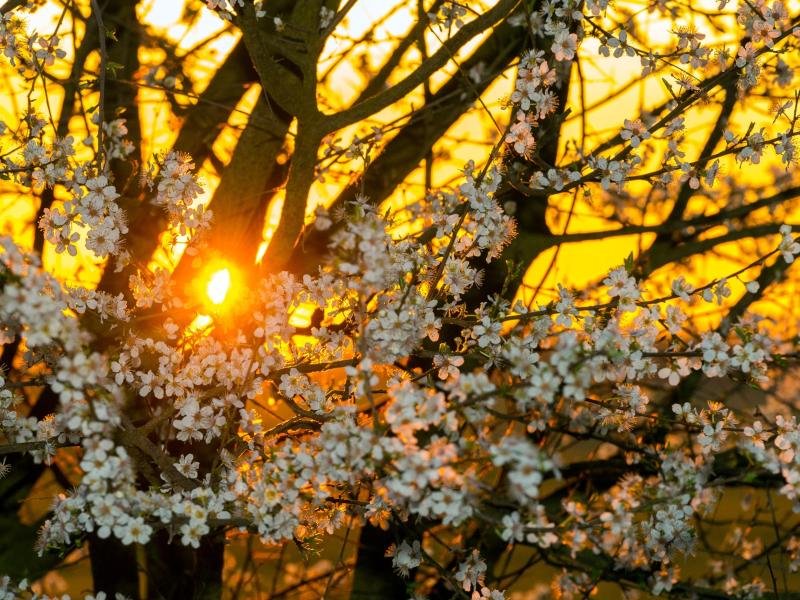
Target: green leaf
629,263
112,67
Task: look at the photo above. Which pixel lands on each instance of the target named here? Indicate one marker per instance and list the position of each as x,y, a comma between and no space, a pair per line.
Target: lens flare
218,286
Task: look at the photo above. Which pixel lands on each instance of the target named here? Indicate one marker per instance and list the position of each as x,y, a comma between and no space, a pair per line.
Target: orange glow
218,286
199,323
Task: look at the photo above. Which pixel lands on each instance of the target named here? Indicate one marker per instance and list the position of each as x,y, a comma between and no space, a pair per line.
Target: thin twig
101,79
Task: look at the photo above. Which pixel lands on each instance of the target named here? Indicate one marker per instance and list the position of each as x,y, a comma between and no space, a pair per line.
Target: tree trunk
374,577
176,572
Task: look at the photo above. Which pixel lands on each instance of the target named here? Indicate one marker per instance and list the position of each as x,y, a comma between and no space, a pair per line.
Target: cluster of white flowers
177,190
412,458
533,99
91,206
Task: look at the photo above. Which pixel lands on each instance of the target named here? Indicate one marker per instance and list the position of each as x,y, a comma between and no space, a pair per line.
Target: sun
218,286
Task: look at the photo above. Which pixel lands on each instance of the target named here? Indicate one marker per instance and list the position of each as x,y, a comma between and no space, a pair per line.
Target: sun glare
218,286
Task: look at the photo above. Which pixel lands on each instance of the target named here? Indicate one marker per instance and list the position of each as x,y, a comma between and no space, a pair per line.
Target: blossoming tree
390,363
